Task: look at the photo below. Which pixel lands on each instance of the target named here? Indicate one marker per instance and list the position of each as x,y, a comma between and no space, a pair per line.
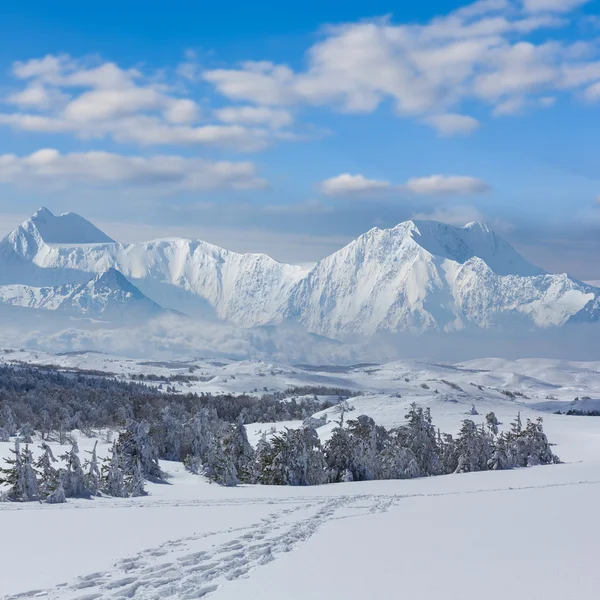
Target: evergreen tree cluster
54,403
134,459
362,450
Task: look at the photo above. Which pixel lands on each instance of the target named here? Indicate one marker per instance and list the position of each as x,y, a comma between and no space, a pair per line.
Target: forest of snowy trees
192,429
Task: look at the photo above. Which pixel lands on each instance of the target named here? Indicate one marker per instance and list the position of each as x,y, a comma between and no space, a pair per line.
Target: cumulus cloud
255,115
48,167
557,6
65,95
353,185
463,214
479,52
446,185
434,185
452,124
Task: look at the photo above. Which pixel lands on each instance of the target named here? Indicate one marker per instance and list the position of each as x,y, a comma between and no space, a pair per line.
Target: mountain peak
67,228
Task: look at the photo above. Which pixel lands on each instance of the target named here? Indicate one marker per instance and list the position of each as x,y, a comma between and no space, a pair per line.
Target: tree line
357,450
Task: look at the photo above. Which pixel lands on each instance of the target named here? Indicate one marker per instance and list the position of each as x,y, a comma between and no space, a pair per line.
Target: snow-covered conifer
136,482
113,483
7,419
92,471
73,477
419,436
136,443
49,476
20,476
58,495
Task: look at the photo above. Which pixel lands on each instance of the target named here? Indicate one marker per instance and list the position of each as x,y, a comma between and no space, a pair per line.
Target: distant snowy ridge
108,296
418,276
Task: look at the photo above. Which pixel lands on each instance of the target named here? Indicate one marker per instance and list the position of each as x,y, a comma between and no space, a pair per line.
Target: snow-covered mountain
424,275
417,276
108,296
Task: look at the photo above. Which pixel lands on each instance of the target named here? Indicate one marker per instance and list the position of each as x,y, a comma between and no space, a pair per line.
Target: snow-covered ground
525,533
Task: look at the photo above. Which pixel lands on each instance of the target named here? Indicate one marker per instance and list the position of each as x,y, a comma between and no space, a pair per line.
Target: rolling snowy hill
418,276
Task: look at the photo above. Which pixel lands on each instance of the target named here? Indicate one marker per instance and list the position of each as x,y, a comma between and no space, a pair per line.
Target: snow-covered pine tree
499,460
297,458
26,433
136,482
20,476
237,448
49,476
92,475
492,423
58,495
447,453
263,461
7,418
517,452
136,443
73,477
338,454
419,436
113,483
473,448
397,461
536,444
171,434
366,442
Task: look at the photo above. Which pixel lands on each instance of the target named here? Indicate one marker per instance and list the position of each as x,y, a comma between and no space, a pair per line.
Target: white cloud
558,6
434,185
453,215
463,214
255,115
38,96
104,100
452,124
48,167
446,185
353,185
511,106
482,52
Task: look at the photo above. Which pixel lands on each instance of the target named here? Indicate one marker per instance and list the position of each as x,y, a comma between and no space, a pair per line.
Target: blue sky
292,130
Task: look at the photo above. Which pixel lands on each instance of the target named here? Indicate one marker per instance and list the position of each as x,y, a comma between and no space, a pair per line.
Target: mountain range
418,276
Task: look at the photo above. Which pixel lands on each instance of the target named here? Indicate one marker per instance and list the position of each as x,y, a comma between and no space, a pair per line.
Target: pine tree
49,476
236,446
419,436
366,442
20,476
8,421
57,496
397,461
499,459
536,443
136,443
473,448
492,423
338,454
113,483
92,477
73,478
135,484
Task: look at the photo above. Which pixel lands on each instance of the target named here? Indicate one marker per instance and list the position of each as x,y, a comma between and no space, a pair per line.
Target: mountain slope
418,276
109,296
422,276
190,276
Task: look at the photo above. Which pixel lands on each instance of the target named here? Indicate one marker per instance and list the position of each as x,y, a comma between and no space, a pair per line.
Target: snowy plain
527,533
